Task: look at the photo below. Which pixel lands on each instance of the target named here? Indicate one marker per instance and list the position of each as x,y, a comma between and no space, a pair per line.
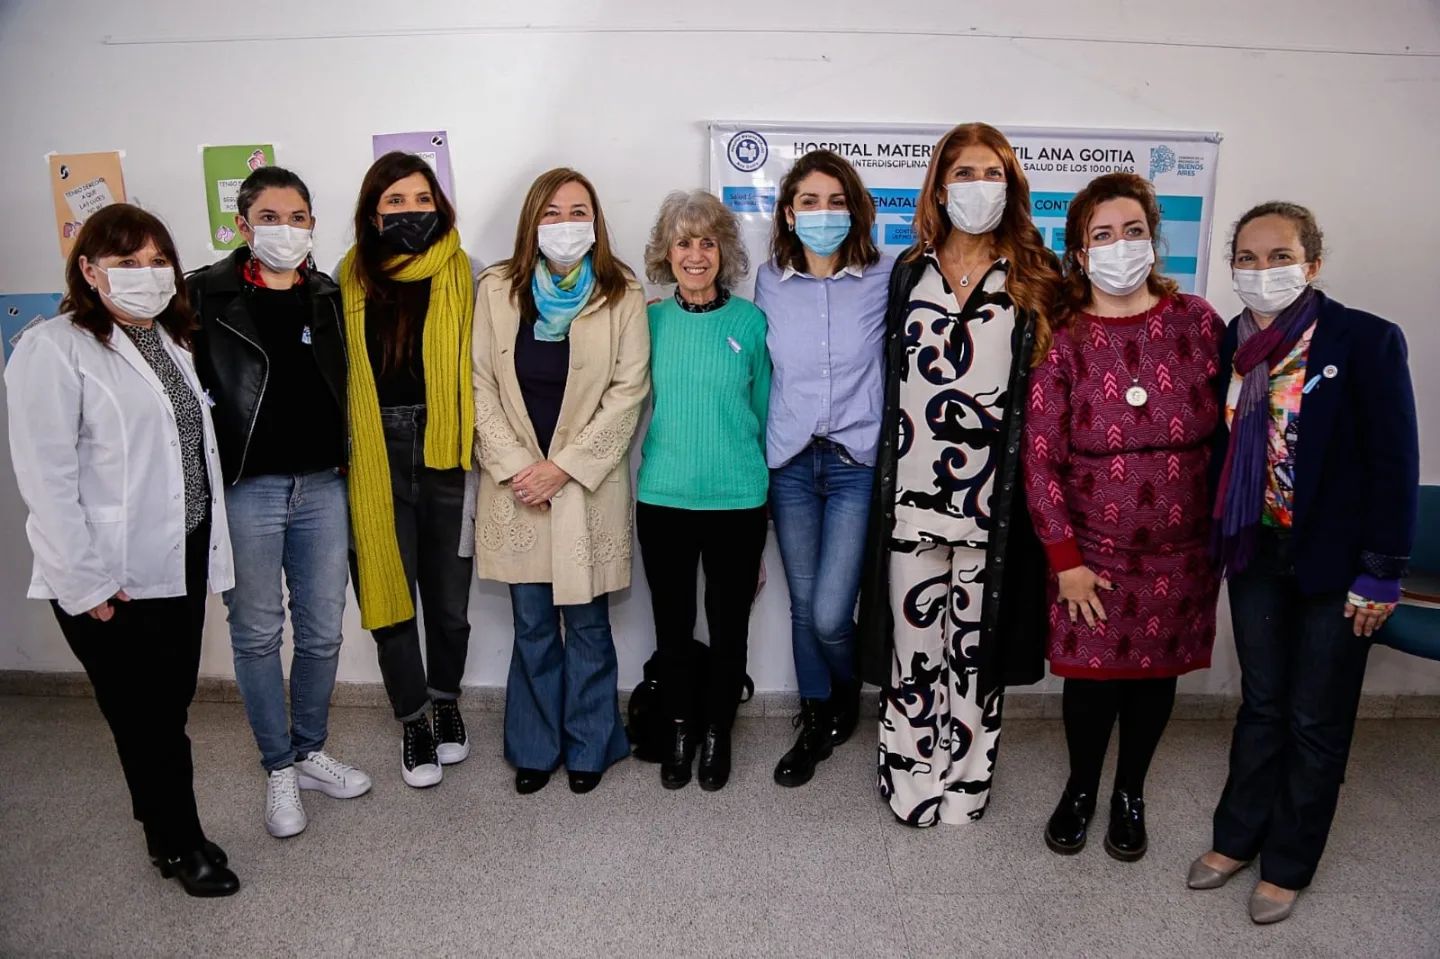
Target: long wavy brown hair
611,275
1033,279
411,300
119,230
1075,286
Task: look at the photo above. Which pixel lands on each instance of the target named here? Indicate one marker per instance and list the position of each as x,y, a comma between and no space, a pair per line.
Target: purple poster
433,146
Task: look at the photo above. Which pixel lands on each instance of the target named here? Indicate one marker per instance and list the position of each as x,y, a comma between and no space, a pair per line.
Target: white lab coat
97,458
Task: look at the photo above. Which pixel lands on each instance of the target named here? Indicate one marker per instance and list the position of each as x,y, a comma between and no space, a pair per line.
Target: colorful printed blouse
1287,388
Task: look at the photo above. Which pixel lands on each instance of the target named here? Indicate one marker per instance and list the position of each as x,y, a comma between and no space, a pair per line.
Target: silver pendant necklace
965,277
1137,396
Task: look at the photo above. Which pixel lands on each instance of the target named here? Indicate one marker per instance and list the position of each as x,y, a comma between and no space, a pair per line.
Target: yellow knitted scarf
450,416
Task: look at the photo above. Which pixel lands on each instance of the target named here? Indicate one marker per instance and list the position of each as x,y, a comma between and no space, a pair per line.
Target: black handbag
646,723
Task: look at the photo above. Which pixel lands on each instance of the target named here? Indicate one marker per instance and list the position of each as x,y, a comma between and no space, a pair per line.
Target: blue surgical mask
822,231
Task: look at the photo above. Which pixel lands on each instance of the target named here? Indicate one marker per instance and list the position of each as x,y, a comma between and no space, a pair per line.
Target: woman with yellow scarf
406,287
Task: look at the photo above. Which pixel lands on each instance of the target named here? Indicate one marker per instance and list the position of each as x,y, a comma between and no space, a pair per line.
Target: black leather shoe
844,712
584,782
679,754
1125,840
1069,824
212,852
715,758
811,747
529,781
199,875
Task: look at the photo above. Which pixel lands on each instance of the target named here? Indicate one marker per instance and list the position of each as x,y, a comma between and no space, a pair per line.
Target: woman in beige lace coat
561,351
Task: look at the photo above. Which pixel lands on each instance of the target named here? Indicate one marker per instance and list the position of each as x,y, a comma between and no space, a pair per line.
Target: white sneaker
284,816
332,777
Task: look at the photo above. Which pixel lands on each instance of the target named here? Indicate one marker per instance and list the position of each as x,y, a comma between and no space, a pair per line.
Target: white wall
1327,102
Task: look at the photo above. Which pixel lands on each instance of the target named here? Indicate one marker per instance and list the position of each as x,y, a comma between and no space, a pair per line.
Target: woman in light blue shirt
824,295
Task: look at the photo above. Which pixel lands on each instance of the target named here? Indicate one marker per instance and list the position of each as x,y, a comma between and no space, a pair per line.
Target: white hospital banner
748,160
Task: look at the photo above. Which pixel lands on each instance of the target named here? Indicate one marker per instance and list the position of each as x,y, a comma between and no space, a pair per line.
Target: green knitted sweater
710,373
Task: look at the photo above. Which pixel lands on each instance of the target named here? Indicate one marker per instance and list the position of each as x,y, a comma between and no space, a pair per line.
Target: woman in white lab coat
114,453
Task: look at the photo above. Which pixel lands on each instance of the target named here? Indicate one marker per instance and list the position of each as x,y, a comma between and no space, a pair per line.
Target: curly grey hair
696,213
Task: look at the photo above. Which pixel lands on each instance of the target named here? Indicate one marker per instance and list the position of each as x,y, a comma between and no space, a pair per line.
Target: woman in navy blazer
1316,473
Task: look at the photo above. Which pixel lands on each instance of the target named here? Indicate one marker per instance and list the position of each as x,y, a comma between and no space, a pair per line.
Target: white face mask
281,247
975,206
141,292
1270,291
1120,268
565,243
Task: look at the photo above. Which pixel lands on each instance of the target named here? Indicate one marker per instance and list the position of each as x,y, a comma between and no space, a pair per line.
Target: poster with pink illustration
82,183
226,167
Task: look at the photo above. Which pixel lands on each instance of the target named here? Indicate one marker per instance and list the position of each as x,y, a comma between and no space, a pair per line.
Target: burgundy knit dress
1121,488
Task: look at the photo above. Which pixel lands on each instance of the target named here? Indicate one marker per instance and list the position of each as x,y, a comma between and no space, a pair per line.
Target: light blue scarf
559,302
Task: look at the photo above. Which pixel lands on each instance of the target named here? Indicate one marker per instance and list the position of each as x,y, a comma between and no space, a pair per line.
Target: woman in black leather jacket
271,355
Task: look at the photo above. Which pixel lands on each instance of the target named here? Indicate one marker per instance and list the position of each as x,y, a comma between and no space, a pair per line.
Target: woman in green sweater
703,482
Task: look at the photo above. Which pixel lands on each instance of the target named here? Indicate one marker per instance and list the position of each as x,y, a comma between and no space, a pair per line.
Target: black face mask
410,232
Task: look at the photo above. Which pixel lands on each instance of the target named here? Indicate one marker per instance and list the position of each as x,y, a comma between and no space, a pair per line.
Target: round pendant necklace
965,277
1137,396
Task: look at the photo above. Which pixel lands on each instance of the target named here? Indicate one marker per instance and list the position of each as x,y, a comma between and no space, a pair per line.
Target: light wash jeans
298,525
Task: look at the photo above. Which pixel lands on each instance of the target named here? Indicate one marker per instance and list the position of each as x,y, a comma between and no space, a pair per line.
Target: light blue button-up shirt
827,343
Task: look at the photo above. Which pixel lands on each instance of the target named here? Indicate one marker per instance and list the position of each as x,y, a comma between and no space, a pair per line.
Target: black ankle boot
529,781
679,754
199,875
1069,824
1126,840
715,757
813,745
212,852
844,712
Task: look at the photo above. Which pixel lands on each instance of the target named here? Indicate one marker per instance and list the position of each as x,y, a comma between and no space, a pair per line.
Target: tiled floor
470,868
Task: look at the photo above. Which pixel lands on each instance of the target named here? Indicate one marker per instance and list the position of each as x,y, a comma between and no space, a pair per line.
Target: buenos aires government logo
748,151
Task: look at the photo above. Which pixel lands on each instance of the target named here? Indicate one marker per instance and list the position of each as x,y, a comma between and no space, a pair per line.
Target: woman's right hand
1078,591
105,611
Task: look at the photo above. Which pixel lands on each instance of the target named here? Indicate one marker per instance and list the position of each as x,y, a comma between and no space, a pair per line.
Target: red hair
1033,279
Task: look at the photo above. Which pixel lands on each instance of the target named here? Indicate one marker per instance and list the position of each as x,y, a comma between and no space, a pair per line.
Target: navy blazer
1357,465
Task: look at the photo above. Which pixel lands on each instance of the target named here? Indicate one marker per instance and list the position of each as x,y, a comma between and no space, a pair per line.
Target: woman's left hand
538,483
1369,617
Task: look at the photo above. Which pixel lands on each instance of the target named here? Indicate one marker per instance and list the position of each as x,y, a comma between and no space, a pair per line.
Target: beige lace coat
582,543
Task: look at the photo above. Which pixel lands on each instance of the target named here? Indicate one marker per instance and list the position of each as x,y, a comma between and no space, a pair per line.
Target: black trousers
1301,669
1093,707
429,510
142,664
728,544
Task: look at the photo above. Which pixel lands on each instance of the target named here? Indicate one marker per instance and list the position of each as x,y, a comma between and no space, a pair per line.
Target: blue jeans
821,504
298,525
1301,669
561,699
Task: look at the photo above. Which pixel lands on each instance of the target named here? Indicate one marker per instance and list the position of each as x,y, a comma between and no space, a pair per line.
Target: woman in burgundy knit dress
1116,449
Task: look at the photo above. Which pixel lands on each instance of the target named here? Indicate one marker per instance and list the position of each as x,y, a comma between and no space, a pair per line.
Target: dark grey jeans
429,507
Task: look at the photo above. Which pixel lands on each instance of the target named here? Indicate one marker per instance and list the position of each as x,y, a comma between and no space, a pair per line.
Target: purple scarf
1240,499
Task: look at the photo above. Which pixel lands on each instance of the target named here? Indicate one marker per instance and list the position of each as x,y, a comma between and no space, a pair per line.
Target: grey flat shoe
1204,876
1264,910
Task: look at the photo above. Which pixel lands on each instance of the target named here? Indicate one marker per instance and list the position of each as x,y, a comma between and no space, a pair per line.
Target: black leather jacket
231,363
